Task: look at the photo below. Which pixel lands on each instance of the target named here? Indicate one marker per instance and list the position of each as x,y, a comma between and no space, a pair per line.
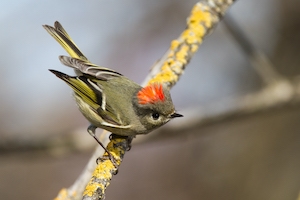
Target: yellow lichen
194,48
199,15
181,55
166,65
102,170
174,44
63,194
177,69
199,31
91,188
171,54
164,77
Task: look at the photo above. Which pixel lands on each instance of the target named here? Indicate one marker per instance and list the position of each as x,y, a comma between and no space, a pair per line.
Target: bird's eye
155,115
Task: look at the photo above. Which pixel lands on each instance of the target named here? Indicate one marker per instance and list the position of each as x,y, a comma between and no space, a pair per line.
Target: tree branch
259,60
204,16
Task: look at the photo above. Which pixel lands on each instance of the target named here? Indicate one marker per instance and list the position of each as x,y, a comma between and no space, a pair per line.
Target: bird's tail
80,87
63,38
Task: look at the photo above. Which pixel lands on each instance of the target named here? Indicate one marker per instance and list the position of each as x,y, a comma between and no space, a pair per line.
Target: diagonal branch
204,16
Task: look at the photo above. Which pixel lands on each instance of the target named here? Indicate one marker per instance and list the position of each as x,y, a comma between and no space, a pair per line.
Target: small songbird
108,99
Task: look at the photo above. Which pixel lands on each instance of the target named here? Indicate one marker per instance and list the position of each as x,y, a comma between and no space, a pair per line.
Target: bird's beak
175,115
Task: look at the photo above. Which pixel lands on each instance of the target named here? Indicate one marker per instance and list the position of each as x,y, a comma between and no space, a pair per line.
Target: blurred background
44,145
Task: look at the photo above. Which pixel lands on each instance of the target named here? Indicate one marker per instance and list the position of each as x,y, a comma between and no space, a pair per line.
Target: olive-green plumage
108,99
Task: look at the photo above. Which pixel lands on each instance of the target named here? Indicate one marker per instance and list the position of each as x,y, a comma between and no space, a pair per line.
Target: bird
109,100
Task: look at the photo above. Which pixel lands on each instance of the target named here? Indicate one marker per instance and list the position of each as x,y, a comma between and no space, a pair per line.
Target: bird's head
154,106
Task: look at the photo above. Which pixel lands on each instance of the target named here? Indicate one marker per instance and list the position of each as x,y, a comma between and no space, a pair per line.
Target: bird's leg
91,130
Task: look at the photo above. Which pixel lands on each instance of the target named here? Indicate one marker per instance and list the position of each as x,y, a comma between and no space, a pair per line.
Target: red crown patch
151,94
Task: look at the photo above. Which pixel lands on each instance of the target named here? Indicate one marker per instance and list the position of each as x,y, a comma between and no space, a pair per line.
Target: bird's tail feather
63,38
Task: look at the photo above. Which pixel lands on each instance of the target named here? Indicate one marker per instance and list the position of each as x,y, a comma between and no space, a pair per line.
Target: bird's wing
88,68
92,94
